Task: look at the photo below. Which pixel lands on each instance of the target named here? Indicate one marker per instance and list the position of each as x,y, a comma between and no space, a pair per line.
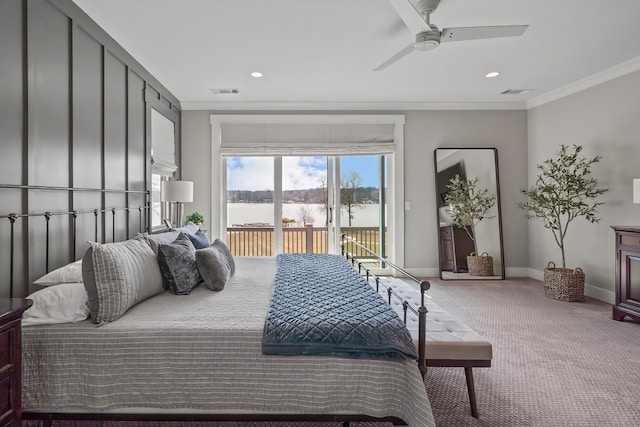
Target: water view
365,215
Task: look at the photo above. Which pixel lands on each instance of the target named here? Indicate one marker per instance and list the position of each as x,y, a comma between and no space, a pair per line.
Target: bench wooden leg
468,372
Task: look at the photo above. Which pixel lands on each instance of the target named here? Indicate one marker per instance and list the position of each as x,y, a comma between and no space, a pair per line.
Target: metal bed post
74,215
47,217
128,211
422,329
95,214
113,224
12,218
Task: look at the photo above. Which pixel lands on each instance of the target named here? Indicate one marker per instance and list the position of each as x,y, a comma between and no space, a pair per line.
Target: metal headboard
141,210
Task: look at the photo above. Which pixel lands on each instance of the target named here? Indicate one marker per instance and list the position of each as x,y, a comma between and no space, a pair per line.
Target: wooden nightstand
627,273
11,310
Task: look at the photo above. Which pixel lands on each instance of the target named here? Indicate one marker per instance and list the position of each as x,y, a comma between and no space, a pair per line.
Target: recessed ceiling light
493,74
256,74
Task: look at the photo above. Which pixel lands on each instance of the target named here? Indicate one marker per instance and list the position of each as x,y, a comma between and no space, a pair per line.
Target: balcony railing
260,241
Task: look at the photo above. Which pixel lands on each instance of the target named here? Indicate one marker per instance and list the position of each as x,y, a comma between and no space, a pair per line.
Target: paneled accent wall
74,137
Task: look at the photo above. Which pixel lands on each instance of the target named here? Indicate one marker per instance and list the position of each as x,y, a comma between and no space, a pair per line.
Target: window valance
163,158
307,135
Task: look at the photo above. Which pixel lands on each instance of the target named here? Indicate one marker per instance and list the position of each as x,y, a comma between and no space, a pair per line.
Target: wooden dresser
455,245
627,273
11,310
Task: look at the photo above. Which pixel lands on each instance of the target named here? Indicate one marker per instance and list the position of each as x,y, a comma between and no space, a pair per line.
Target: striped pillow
119,275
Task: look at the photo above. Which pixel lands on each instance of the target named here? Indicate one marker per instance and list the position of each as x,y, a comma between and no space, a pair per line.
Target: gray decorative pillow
166,237
213,265
219,244
177,262
159,238
119,275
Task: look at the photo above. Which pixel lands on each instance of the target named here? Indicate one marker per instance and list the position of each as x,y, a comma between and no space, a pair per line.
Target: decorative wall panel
74,138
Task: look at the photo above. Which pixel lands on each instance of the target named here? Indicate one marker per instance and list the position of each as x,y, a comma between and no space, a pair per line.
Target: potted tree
564,191
468,205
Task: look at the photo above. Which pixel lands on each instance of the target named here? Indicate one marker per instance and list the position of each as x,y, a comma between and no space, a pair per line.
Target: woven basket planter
564,284
480,265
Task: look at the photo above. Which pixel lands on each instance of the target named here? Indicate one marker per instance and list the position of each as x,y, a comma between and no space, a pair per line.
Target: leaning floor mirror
468,209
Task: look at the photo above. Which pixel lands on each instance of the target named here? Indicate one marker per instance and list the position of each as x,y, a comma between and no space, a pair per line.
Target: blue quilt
322,306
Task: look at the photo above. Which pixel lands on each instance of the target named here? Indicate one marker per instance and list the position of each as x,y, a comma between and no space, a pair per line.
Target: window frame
395,175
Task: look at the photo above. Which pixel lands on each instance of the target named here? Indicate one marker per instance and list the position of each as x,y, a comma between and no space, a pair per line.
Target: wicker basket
480,265
564,284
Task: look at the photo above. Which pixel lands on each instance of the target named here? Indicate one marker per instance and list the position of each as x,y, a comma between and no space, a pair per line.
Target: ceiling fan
416,15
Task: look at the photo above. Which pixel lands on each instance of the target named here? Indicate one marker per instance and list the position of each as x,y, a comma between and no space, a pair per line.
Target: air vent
225,91
515,91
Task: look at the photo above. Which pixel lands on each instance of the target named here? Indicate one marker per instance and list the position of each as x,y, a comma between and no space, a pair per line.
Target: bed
199,356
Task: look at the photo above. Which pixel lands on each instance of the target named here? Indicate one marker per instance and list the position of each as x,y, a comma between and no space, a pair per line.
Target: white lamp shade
176,191
636,190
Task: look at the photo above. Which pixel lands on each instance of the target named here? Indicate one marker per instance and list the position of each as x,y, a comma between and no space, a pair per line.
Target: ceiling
321,54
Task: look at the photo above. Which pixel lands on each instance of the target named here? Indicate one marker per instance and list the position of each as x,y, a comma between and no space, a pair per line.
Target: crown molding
620,70
347,106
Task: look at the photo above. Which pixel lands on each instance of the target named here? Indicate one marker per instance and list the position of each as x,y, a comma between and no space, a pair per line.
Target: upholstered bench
449,342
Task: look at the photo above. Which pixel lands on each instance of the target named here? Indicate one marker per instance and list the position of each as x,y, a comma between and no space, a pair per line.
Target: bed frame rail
421,311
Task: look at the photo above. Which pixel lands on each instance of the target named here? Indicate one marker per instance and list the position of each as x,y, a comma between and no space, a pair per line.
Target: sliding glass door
250,213
362,203
302,204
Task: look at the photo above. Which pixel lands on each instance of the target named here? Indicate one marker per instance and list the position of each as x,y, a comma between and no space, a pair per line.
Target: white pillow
70,273
64,303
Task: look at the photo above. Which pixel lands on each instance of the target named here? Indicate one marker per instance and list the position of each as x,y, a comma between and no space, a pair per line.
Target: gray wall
428,130
424,131
74,124
605,120
196,163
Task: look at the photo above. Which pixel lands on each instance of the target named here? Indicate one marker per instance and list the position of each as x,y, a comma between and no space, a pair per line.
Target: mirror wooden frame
454,243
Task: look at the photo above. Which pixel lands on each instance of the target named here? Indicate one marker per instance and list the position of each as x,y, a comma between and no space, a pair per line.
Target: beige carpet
555,363
200,424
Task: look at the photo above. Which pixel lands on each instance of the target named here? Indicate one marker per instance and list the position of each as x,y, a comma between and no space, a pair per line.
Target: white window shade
306,138
163,156
176,191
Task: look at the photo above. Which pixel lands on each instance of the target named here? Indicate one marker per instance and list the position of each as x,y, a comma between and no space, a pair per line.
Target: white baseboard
424,272
600,294
589,290
516,272
535,274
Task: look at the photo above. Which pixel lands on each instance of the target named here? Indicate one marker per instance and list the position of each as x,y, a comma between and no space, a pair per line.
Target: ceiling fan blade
404,52
411,17
475,33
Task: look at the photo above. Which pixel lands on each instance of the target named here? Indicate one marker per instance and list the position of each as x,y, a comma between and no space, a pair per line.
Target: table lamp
177,192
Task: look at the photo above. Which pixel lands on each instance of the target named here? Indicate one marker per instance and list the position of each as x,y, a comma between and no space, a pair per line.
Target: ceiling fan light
427,45
427,40
492,74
